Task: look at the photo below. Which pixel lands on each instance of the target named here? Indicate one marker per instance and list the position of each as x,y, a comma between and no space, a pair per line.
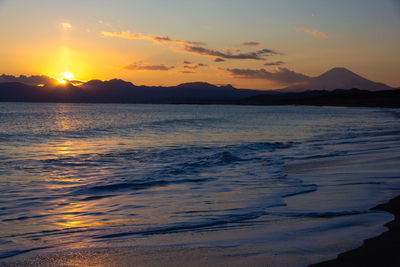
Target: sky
250,44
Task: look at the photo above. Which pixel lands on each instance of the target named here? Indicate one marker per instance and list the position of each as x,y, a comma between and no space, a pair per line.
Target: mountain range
119,91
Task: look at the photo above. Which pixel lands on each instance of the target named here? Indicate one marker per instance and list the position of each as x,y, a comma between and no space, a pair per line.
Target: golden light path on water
105,176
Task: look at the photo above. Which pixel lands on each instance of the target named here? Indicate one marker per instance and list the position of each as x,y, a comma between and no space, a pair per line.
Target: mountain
321,90
106,92
119,91
337,78
196,85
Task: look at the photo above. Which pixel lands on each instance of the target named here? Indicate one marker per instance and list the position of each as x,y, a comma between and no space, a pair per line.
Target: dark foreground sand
383,250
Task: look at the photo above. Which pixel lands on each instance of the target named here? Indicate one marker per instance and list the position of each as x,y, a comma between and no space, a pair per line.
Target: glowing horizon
271,46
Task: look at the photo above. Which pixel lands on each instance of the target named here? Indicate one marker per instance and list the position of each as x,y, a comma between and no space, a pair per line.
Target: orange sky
154,44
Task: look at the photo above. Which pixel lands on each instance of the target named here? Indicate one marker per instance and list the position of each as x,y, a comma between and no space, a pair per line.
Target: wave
96,197
23,218
11,253
224,153
139,185
176,160
225,220
328,214
185,121
361,183
354,137
301,189
188,226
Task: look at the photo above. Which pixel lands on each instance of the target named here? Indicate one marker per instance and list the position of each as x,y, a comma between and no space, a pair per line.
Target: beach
377,251
160,185
199,133
382,250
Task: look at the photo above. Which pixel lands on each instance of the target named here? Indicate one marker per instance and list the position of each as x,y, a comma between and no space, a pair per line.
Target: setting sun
68,75
236,132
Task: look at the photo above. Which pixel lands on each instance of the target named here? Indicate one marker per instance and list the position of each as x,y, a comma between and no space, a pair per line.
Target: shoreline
382,250
219,104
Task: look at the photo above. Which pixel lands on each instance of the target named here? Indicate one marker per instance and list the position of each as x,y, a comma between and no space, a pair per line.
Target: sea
287,185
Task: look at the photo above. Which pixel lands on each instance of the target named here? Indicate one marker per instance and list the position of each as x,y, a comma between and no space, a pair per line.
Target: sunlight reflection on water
85,175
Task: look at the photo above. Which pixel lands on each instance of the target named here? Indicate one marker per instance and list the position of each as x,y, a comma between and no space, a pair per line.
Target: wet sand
378,251
383,250
164,256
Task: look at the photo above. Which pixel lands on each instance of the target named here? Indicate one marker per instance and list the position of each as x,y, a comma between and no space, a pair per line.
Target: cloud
195,47
276,63
103,23
187,72
66,25
29,80
139,66
250,43
256,55
154,38
219,59
192,66
282,75
314,32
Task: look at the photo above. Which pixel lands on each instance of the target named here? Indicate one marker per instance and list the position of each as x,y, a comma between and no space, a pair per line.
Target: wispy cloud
256,55
250,43
195,47
314,32
104,23
192,66
218,59
66,26
146,67
154,38
282,75
275,63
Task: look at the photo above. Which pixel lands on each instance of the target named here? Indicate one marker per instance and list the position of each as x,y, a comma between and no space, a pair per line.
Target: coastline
316,223
382,250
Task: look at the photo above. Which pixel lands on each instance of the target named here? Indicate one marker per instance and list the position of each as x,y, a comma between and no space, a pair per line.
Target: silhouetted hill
196,85
337,78
119,91
115,83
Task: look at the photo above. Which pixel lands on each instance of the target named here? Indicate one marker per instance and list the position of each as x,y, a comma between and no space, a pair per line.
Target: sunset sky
250,44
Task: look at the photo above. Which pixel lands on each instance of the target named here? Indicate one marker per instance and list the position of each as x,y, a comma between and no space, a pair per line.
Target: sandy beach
199,133
128,197
382,250
377,251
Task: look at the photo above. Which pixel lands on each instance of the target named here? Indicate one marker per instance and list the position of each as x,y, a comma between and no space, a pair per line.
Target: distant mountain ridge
337,78
119,91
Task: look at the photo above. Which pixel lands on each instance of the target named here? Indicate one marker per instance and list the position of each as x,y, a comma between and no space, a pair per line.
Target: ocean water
290,181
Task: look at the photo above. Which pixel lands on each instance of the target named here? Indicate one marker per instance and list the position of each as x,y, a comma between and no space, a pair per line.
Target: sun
67,75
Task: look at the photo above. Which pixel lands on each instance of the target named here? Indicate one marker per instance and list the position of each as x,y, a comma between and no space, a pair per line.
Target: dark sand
383,250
